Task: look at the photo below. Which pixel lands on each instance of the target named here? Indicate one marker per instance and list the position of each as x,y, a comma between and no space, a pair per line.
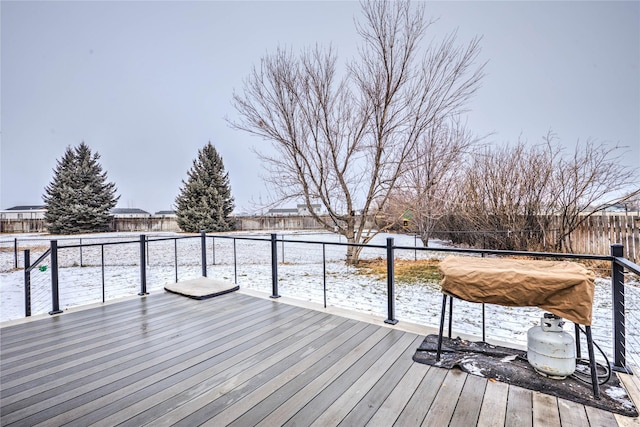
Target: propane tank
550,350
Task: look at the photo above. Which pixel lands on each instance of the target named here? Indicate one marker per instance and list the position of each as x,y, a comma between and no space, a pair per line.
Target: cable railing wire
310,265
37,283
632,331
40,289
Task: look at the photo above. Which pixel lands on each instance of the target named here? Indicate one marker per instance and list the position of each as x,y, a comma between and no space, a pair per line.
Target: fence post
617,292
390,283
27,283
203,250
15,253
274,266
143,265
55,296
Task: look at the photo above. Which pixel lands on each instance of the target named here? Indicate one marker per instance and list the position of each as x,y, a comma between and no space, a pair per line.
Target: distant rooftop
283,210
27,208
121,211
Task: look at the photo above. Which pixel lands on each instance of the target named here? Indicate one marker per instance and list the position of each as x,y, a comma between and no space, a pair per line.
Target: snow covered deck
241,360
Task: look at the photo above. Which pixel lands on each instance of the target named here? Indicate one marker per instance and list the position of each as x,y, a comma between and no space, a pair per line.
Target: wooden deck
243,361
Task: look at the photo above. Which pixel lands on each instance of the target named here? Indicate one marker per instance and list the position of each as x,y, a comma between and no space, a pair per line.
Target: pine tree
79,198
205,201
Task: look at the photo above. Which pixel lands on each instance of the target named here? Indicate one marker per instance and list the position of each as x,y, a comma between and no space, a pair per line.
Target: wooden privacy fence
145,224
20,225
30,225
594,236
598,232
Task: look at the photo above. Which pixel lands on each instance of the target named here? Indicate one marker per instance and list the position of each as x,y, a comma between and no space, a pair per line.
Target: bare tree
587,181
503,193
343,142
424,194
511,193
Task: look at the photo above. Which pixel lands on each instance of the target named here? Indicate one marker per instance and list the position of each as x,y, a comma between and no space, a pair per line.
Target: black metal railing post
235,262
27,283
390,283
55,296
175,257
15,253
617,292
324,274
203,251
143,265
274,266
102,270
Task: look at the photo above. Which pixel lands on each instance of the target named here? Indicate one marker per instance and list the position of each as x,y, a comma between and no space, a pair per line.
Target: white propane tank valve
550,350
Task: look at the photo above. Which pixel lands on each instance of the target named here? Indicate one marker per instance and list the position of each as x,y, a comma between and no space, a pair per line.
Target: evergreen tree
205,201
79,198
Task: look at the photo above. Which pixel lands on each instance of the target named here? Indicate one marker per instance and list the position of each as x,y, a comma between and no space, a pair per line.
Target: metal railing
29,267
147,253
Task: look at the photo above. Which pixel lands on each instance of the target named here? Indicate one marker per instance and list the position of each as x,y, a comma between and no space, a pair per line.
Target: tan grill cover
560,287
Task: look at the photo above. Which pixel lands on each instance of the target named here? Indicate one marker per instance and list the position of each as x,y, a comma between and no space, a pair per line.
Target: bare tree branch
345,142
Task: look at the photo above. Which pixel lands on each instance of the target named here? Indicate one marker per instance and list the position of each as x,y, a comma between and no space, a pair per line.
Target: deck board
494,405
545,410
90,389
392,407
346,354
203,362
237,361
112,363
632,385
572,414
519,407
187,410
119,363
316,407
352,407
444,404
600,418
261,402
217,402
417,408
369,405
240,360
83,344
468,408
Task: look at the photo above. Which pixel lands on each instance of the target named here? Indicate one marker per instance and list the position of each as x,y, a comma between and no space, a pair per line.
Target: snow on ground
300,275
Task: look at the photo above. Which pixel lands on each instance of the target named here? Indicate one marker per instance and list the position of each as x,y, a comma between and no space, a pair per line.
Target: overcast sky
147,84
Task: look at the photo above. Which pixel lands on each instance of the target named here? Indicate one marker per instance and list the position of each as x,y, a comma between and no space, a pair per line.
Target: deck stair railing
619,267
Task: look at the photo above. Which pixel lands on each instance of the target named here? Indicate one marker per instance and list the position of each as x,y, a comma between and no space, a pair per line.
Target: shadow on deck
241,360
